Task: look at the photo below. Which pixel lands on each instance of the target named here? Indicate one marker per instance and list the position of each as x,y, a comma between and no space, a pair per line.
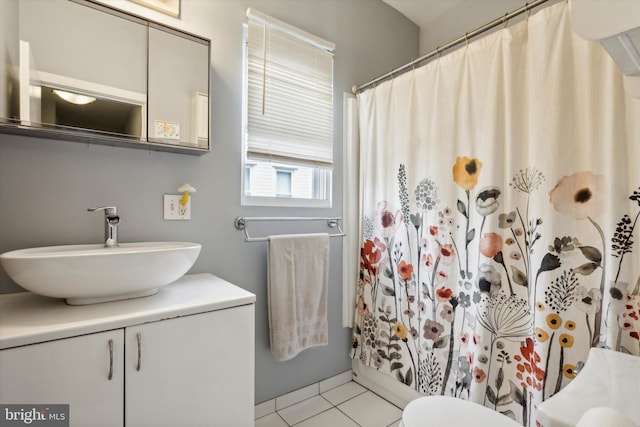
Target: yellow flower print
569,371
400,331
554,321
566,340
466,171
539,306
570,325
541,335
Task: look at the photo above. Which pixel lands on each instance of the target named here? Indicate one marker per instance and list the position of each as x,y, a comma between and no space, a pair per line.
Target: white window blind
289,94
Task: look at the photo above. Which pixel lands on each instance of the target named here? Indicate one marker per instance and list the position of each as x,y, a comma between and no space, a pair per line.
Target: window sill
284,202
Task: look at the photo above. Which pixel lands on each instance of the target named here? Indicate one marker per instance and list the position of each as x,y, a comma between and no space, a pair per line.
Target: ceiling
423,12
441,21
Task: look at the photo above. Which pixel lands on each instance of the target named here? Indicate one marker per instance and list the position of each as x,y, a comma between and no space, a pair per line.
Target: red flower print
529,373
478,374
441,276
446,250
370,256
433,230
490,244
631,316
444,294
476,339
464,338
427,259
387,219
405,270
447,255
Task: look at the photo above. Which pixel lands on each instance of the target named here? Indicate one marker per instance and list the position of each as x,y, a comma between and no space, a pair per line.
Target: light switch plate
173,210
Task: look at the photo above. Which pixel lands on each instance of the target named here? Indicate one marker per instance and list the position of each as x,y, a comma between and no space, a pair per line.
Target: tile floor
345,405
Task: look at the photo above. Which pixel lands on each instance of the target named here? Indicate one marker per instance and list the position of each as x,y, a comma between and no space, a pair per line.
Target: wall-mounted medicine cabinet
81,71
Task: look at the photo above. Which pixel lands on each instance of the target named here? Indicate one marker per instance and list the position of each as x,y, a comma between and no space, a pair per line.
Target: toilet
451,412
607,388
608,383
603,416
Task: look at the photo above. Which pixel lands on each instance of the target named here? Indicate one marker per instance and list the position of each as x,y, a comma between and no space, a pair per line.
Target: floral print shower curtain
500,223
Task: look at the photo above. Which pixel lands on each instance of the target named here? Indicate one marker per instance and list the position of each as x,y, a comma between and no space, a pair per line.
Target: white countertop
27,318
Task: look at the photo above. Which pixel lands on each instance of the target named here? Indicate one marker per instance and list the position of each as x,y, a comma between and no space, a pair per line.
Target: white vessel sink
89,274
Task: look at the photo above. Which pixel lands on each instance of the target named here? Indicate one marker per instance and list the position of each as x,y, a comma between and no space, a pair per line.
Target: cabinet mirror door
9,42
83,71
77,68
178,88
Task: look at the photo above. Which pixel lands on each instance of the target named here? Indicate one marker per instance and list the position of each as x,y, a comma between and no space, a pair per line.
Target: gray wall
46,185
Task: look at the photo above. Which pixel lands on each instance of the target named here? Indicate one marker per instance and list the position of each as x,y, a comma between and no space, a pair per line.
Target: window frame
322,178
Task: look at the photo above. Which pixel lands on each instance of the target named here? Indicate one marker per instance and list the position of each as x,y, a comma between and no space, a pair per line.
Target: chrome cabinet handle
139,339
110,360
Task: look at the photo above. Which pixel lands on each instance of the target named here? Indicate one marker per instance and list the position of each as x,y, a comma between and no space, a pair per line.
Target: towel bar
241,224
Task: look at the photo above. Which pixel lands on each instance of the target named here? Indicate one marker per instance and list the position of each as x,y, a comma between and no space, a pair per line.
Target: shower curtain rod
465,38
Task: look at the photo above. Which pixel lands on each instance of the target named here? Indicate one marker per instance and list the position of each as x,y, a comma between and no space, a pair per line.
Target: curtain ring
528,9
413,64
466,39
505,21
437,52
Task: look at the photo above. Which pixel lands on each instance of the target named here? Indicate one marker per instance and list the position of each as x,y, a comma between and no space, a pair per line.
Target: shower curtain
500,223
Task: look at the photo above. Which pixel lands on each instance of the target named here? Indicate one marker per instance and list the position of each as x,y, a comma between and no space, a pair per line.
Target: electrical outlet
173,210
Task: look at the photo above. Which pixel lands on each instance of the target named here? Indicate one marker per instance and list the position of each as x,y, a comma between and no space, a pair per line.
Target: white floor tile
335,381
297,396
272,420
368,409
305,409
330,418
343,393
264,408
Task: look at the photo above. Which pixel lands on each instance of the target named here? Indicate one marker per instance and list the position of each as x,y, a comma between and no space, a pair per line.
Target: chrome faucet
111,224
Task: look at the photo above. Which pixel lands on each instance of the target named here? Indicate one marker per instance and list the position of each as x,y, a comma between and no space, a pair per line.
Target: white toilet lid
436,411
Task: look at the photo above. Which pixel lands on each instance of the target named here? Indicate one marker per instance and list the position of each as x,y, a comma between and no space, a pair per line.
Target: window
288,114
283,182
247,179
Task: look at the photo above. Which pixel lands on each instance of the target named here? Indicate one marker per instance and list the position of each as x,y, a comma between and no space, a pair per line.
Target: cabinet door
191,371
73,371
172,117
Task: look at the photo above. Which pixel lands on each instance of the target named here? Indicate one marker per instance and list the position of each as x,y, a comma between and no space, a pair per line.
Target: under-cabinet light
74,98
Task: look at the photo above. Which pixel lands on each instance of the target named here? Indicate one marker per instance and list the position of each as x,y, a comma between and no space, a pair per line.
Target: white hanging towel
298,283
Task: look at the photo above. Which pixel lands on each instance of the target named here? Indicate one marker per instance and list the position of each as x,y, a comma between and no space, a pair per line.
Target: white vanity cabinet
193,370
184,356
72,371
